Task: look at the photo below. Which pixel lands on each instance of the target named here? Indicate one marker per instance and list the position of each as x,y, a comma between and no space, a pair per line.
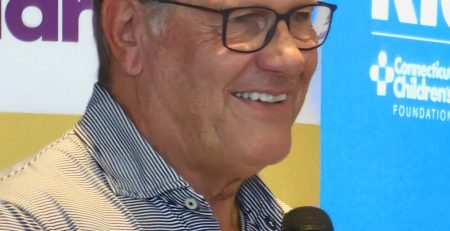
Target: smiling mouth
261,97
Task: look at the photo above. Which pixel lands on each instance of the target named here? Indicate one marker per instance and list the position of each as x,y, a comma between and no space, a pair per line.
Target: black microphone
307,218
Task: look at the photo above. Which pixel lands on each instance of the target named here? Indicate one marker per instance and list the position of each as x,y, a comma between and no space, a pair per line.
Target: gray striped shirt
103,175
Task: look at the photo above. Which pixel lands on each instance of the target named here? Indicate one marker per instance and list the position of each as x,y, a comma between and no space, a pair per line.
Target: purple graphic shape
71,14
48,29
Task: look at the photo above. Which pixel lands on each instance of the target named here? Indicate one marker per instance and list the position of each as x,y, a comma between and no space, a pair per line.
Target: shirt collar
134,169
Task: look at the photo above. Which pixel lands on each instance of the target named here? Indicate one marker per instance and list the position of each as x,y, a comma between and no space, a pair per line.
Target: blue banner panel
386,116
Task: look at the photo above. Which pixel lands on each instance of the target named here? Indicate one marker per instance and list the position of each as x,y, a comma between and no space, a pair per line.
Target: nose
282,55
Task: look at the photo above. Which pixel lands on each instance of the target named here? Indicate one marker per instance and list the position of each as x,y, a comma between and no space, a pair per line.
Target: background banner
386,116
48,59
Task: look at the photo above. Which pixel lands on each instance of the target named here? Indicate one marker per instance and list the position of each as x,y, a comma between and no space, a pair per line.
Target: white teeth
263,97
254,96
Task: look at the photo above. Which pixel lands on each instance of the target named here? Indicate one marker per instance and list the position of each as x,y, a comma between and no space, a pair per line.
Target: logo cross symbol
382,74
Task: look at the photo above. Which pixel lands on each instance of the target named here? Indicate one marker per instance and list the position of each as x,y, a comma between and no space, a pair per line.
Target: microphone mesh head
307,218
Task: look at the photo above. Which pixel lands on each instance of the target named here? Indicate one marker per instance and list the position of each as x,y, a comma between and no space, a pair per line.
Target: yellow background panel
296,180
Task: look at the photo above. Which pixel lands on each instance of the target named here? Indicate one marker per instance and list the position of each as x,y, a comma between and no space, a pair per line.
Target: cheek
221,60
311,60
217,71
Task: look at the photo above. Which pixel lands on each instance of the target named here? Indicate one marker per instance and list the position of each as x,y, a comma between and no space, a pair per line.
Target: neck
211,174
221,195
219,187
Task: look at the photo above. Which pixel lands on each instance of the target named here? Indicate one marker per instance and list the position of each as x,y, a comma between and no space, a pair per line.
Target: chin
269,151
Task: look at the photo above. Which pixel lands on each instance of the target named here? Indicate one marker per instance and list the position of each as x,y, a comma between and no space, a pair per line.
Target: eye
249,18
301,17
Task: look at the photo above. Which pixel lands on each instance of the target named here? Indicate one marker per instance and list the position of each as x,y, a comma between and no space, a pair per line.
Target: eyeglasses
250,29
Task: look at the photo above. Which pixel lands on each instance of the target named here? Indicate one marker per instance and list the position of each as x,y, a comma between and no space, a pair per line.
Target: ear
120,21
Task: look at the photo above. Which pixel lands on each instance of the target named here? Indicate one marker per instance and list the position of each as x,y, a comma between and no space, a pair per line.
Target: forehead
277,5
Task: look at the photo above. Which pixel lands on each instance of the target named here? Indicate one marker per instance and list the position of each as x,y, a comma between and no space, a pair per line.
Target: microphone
307,218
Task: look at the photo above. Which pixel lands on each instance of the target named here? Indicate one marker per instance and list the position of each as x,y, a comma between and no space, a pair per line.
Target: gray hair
157,15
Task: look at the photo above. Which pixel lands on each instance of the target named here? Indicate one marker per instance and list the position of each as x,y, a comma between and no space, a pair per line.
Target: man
194,99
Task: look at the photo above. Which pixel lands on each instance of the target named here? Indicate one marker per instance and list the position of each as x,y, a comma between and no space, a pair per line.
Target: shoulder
45,183
61,188
54,157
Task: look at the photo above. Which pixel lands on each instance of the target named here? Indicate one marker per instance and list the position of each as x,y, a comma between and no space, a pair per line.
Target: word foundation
422,113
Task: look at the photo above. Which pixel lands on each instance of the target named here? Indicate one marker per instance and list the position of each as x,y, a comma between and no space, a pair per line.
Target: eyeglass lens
250,29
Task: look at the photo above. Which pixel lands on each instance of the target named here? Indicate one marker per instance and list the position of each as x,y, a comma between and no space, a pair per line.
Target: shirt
103,175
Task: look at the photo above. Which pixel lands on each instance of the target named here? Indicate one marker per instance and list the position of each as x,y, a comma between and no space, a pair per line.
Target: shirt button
191,203
270,222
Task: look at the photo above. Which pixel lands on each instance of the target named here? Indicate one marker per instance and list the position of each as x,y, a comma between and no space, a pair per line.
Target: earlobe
120,19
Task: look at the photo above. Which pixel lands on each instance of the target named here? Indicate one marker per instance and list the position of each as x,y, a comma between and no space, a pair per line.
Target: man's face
202,86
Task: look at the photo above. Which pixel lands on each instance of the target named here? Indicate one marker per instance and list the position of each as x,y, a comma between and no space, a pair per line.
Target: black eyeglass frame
279,17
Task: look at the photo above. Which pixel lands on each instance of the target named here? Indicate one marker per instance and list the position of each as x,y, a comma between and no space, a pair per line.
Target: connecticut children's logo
382,74
421,91
411,80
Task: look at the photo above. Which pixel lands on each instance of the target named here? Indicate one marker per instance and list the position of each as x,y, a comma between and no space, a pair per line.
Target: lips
261,97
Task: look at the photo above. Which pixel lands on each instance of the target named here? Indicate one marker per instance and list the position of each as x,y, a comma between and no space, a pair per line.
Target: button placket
270,222
172,202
